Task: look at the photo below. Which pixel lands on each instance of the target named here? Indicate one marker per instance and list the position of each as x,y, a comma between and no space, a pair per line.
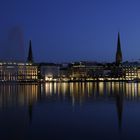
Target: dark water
70,111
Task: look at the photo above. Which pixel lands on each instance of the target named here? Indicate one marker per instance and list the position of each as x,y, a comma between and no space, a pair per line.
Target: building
30,54
118,52
85,71
131,70
20,71
49,71
13,71
30,71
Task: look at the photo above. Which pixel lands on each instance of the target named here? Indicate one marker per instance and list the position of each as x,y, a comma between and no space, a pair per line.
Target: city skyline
69,30
30,59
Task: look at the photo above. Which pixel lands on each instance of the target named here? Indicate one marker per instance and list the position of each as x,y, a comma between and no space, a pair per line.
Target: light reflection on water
33,99
86,90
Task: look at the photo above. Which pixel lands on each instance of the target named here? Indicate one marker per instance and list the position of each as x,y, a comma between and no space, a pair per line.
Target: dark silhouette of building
119,52
30,54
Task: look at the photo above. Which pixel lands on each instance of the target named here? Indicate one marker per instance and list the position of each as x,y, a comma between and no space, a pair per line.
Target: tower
30,54
119,52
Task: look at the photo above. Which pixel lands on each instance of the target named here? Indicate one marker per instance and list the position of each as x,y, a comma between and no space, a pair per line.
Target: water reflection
23,94
28,95
18,95
81,92
119,93
78,93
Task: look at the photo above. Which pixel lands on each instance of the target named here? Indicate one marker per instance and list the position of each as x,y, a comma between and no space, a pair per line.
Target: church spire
119,52
30,54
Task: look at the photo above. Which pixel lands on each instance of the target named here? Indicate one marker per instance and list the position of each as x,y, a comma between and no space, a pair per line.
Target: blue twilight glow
67,30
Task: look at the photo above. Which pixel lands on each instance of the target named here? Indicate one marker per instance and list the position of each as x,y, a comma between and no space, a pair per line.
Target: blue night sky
69,30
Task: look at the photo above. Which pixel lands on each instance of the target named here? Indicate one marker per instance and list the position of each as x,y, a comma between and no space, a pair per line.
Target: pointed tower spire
119,52
30,54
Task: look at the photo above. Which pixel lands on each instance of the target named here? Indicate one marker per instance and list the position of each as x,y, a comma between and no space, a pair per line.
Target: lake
70,111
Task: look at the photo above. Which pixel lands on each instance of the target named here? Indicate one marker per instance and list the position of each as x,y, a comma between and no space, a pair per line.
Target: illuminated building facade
20,71
49,71
131,73
85,71
131,70
12,71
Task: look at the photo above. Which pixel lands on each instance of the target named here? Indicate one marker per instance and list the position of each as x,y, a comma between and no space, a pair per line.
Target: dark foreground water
70,111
